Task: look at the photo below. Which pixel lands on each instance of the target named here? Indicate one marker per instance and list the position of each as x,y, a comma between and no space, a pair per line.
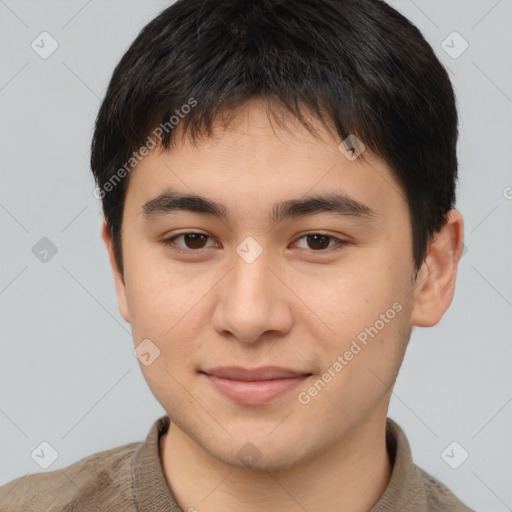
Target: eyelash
169,242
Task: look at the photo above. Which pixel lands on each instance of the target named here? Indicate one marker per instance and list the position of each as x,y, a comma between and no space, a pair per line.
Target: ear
435,283
118,276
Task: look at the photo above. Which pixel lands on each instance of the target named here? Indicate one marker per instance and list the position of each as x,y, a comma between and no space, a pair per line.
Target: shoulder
438,496
96,482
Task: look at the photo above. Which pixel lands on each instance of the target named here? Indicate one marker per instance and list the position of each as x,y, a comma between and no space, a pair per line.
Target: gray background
67,371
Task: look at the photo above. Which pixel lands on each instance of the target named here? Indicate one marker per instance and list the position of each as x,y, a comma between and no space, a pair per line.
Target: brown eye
194,240
318,242
188,241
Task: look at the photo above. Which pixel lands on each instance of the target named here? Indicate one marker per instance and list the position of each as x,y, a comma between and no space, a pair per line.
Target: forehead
253,162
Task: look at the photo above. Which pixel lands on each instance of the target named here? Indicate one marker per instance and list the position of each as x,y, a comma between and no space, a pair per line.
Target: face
318,296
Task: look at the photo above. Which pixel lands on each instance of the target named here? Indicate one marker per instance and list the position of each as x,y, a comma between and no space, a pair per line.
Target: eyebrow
340,204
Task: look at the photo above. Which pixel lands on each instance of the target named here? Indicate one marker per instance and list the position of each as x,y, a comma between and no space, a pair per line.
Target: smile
254,387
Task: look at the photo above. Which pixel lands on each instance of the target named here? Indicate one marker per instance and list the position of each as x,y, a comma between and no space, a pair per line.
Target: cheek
151,290
359,369
349,299
165,307
366,310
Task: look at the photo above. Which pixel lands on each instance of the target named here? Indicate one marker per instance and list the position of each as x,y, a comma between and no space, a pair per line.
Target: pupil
317,239
194,240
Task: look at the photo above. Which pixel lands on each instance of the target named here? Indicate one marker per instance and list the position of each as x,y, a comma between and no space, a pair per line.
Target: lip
256,386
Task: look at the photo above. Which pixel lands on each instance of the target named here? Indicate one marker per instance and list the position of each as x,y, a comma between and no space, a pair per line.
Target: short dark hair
357,65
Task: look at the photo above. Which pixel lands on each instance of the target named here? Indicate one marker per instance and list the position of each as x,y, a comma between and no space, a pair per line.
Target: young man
278,182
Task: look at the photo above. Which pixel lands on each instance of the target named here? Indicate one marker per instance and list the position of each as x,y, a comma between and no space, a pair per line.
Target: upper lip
261,373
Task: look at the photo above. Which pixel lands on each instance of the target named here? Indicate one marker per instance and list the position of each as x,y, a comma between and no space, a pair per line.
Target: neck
349,476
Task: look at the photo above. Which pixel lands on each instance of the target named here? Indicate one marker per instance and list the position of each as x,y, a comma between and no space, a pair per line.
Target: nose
252,302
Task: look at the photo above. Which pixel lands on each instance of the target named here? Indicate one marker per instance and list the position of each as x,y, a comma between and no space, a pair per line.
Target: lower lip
255,392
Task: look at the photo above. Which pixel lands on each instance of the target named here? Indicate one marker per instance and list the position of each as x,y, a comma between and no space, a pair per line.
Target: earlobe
119,280
435,284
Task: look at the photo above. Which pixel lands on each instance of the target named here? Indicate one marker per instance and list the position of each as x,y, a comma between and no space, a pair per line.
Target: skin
294,307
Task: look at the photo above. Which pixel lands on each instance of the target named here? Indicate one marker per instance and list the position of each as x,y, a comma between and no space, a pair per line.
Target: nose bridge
249,284
249,302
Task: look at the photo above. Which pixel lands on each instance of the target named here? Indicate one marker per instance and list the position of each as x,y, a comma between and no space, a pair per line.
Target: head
278,182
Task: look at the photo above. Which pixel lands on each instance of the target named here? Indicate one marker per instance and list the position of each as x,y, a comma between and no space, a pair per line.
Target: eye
320,242
192,241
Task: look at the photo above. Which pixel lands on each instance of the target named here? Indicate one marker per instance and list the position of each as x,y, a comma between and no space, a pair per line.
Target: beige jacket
130,478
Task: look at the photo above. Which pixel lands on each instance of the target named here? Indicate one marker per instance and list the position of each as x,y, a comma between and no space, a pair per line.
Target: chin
259,453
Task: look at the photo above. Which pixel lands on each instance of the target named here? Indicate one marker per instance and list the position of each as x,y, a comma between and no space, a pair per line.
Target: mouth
257,386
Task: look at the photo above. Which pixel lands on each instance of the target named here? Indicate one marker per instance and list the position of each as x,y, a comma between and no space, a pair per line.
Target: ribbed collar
149,485
405,490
